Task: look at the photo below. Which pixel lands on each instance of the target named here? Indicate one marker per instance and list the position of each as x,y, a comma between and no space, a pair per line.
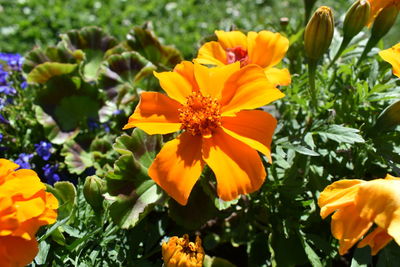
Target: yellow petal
23,183
174,84
392,55
348,227
211,53
186,70
237,167
231,39
253,127
6,167
278,76
377,240
266,48
212,80
338,195
178,166
155,114
248,88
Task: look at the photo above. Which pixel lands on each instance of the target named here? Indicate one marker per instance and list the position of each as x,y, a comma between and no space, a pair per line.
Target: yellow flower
265,49
378,5
392,55
358,205
213,107
24,207
179,252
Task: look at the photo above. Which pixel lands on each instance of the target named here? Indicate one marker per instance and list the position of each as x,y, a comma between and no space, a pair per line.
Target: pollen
237,54
200,115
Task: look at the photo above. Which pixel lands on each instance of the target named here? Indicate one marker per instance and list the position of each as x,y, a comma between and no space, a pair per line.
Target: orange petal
231,39
212,80
338,195
278,76
377,240
237,167
174,84
17,252
266,48
247,88
211,53
348,227
392,55
178,166
186,70
379,201
253,127
155,114
27,209
6,167
22,182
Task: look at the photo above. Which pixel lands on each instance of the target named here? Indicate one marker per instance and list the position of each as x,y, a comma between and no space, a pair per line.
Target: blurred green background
26,23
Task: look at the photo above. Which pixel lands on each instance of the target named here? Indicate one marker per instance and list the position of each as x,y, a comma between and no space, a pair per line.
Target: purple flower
23,160
43,150
3,120
1,137
8,90
50,174
14,61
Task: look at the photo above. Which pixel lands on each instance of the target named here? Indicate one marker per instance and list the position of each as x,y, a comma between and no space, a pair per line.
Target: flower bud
389,118
179,252
384,21
356,18
93,190
319,33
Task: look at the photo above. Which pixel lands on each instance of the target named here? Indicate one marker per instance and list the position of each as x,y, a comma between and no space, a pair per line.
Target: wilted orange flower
378,5
358,205
24,207
213,108
392,55
180,252
265,49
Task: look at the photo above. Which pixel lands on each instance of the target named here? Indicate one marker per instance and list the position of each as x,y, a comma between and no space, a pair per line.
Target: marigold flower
265,49
213,108
392,55
24,207
378,5
179,252
358,205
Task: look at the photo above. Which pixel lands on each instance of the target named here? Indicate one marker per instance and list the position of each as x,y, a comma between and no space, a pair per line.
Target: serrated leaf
301,149
340,134
43,72
76,158
311,254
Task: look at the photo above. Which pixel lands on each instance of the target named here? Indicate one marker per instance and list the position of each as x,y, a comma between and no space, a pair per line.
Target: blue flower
1,137
3,120
43,149
50,174
14,61
23,160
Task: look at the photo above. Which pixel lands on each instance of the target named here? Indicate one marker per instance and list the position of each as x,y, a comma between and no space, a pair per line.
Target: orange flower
179,252
212,107
265,49
378,5
392,55
357,205
24,207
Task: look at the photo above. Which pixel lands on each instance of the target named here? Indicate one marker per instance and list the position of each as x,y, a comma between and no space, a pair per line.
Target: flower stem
371,43
312,66
345,43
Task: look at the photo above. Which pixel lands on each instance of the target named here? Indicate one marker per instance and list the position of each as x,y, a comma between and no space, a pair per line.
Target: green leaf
312,256
388,119
53,133
43,72
216,262
76,158
301,149
340,134
362,257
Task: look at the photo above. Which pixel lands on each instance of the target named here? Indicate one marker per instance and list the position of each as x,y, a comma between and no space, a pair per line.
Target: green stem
371,43
312,67
345,43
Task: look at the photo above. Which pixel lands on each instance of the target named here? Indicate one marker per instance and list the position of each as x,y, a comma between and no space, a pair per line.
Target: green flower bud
356,18
93,189
319,33
389,118
384,22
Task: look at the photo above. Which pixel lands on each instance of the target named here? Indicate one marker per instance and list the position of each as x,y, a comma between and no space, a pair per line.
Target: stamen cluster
200,115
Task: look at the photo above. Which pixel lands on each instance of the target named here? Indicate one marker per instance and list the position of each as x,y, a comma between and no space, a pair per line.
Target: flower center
200,115
237,54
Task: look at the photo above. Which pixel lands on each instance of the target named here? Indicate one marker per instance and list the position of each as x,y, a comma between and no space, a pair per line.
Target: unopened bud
93,190
356,18
384,21
319,33
389,118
